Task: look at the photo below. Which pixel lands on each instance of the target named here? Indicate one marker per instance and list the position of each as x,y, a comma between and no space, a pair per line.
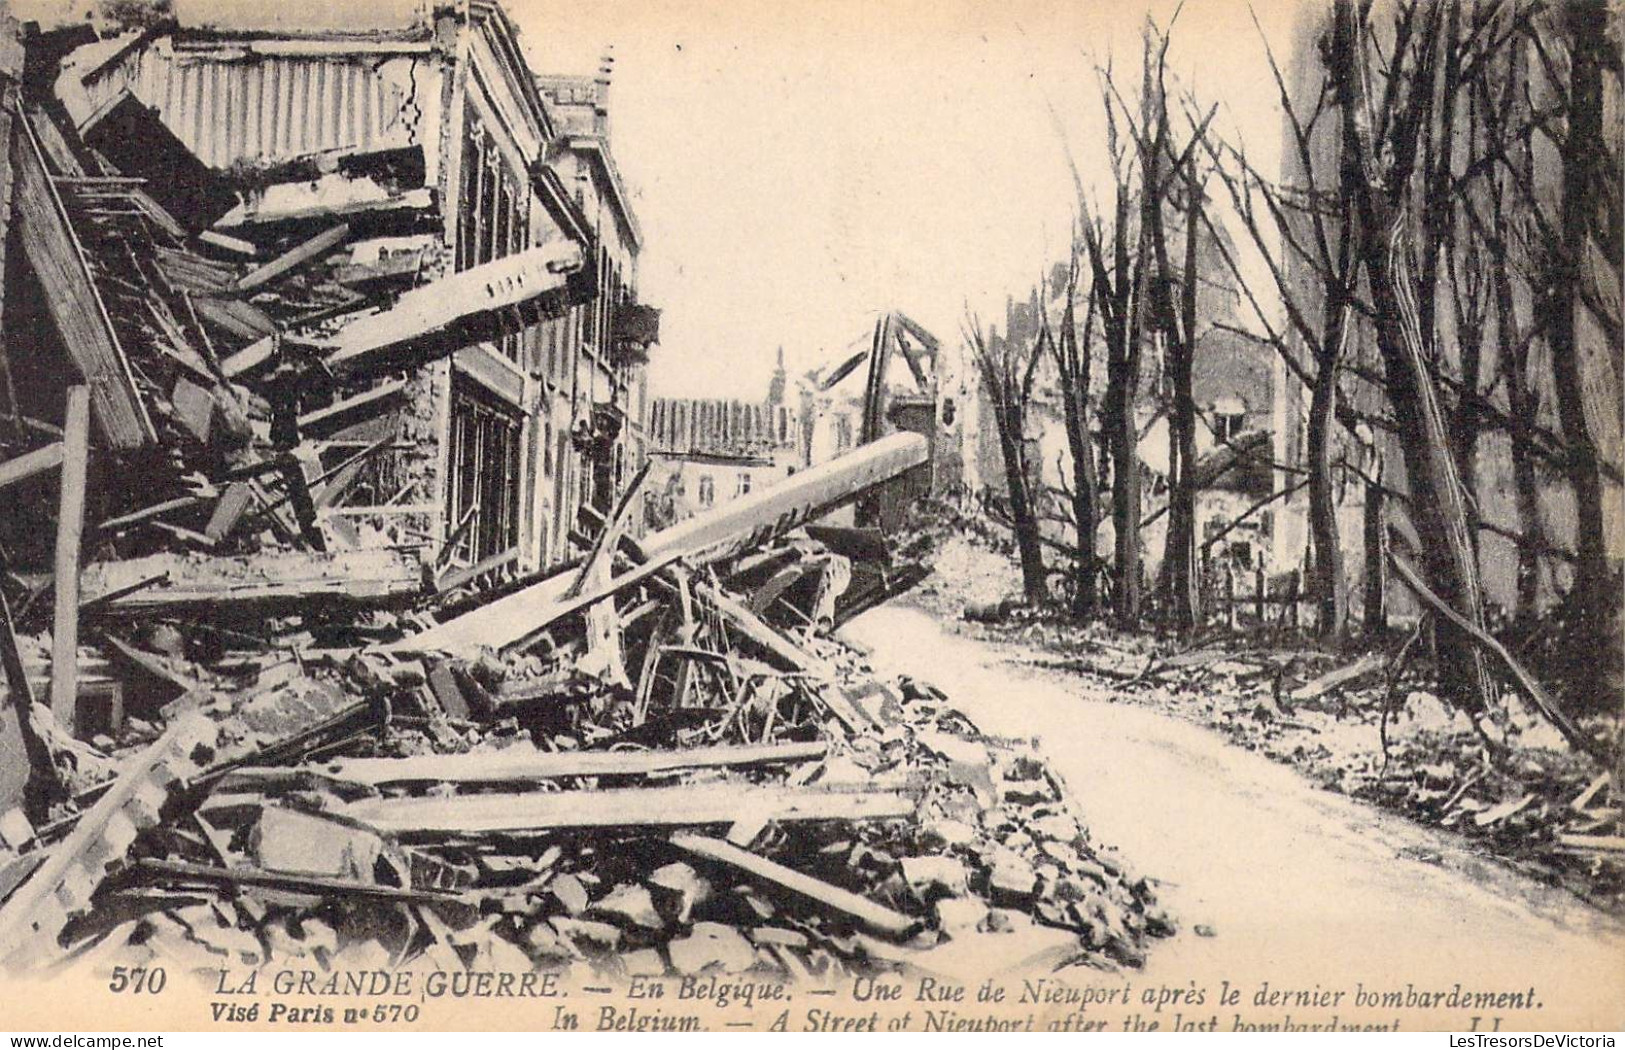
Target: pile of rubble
263,702
652,762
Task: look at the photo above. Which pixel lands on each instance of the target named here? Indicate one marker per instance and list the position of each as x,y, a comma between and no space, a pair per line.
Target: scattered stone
711,946
958,916
628,904
941,834
935,876
570,893
677,889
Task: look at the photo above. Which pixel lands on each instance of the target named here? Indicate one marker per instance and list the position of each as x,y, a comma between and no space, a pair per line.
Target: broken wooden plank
1602,843
876,917
30,463
249,357
41,908
436,307
1370,663
70,525
822,678
686,805
183,872
269,579
295,257
522,617
115,525
153,664
524,764
324,421
467,574
229,510
75,306
334,196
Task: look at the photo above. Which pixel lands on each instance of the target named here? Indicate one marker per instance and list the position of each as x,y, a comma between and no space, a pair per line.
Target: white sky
799,169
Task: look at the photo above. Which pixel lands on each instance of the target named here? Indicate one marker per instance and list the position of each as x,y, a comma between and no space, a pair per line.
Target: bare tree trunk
1435,483
1180,549
1586,22
1325,543
1074,355
1376,556
1023,513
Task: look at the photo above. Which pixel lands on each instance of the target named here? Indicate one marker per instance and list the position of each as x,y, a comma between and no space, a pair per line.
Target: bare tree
1381,160
1074,356
1008,367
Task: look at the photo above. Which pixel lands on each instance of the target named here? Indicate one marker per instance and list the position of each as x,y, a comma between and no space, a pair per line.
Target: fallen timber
877,917
729,529
485,767
264,580
685,805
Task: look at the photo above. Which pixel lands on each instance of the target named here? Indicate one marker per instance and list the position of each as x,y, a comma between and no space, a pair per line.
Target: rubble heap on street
267,700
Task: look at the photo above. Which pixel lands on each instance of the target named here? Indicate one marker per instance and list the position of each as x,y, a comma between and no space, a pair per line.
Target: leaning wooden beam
70,526
686,805
295,257
436,307
876,917
734,527
76,308
744,523
270,579
30,463
542,605
62,887
249,357
518,764
1370,663
323,421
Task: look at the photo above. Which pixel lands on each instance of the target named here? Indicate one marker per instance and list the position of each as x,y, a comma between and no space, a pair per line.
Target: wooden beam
33,917
876,917
70,524
469,573
295,257
542,605
229,510
136,517
524,764
323,421
785,653
249,357
730,529
176,871
30,463
75,306
685,805
265,580
436,307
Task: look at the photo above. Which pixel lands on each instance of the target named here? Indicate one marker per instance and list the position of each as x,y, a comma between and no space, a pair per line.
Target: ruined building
383,225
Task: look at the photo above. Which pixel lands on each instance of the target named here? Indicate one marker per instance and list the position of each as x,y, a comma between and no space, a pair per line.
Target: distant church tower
775,389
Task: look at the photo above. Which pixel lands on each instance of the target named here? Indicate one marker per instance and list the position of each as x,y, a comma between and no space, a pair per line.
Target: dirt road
1271,878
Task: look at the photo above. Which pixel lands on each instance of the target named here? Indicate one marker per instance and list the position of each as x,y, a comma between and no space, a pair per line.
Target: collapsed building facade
407,155
328,625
